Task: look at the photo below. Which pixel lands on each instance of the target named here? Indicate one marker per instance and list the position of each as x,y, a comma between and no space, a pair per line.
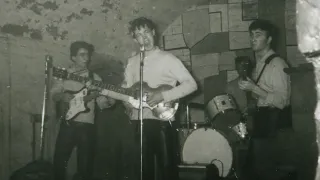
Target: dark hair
77,45
267,26
142,22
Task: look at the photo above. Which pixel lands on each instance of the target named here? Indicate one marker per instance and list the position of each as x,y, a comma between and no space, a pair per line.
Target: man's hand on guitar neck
92,87
102,101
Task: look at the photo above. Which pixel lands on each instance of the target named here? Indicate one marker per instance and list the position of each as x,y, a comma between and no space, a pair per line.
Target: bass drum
205,146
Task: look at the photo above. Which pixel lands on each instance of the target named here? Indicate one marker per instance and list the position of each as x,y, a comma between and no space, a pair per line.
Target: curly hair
142,22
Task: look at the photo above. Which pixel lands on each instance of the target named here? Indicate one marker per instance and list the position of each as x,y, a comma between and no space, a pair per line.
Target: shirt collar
263,59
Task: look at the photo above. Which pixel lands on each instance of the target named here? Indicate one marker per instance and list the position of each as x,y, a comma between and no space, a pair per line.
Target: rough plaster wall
102,22
26,63
308,29
4,107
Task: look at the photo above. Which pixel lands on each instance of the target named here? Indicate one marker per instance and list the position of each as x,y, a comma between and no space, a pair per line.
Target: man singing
159,68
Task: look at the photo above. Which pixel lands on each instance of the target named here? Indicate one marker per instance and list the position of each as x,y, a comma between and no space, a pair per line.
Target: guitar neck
110,90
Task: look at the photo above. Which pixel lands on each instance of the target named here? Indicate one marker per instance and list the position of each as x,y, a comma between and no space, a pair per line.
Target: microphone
48,58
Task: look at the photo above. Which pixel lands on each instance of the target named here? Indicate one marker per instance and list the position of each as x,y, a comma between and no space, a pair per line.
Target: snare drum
205,146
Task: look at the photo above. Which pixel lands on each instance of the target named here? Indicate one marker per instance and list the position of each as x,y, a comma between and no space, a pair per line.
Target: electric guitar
77,105
163,111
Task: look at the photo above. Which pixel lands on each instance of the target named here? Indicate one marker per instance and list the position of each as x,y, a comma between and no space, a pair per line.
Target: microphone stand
142,56
46,96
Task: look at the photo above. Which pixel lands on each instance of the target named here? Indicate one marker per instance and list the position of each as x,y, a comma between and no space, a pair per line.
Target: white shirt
160,67
273,80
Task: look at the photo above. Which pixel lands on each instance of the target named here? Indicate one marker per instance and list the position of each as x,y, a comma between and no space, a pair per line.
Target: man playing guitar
160,68
270,85
77,131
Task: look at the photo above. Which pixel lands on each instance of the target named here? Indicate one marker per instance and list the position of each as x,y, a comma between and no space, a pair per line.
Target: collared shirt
273,80
159,68
69,85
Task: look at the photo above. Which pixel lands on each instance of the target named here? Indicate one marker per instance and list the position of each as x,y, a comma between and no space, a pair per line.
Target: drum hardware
188,116
241,130
193,116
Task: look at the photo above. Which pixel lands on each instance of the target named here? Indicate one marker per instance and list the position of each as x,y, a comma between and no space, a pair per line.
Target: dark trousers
159,150
263,144
81,136
114,159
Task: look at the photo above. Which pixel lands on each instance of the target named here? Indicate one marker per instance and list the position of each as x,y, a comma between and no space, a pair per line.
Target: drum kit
214,139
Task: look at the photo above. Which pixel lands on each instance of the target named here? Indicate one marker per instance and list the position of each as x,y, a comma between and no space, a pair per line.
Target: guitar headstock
59,73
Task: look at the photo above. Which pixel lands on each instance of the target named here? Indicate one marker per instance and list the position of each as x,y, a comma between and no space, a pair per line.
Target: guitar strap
252,102
91,77
266,62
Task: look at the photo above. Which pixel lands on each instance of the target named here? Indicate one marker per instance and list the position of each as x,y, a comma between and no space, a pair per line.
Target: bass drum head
208,146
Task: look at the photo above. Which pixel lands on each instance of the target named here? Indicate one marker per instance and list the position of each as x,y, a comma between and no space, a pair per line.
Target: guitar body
162,110
76,106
